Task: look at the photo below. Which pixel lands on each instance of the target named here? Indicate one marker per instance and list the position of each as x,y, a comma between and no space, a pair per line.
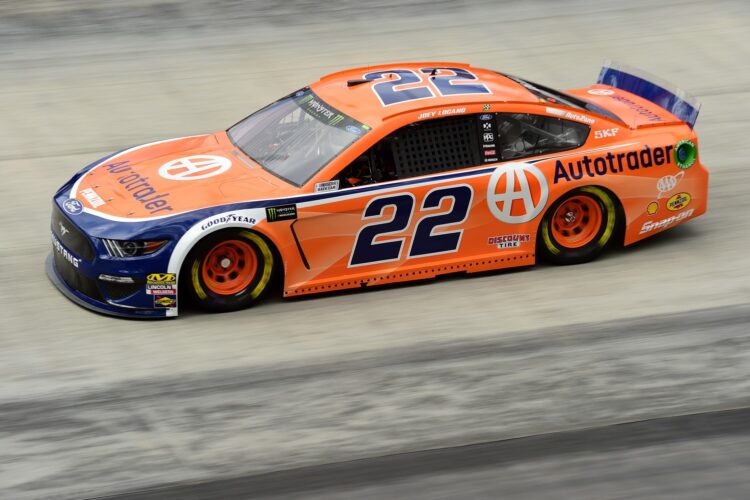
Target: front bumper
78,262
91,304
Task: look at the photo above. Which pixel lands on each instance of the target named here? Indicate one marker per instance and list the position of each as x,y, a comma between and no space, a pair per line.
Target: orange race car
378,175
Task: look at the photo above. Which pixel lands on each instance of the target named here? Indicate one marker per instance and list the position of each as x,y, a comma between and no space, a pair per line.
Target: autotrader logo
194,167
501,203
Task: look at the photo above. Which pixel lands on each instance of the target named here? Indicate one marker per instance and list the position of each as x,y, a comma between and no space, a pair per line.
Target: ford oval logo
73,206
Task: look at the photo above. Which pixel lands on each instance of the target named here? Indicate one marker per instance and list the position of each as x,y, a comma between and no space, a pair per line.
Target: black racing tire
228,270
594,213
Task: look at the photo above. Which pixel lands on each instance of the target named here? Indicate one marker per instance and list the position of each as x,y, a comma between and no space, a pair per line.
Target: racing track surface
655,333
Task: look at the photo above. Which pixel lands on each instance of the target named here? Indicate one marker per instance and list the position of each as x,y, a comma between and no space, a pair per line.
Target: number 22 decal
424,242
389,91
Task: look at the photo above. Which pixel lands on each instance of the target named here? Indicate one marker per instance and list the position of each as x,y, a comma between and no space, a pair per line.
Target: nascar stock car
378,175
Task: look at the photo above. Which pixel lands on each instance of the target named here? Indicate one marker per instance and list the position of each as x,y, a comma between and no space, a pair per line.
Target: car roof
360,101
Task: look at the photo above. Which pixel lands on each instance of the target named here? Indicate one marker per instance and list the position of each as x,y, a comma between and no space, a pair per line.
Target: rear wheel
229,270
578,226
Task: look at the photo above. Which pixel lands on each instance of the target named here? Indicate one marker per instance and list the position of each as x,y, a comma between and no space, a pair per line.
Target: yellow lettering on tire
267,262
611,212
548,239
194,272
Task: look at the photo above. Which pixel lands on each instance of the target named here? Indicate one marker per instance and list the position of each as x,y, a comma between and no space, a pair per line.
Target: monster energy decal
282,212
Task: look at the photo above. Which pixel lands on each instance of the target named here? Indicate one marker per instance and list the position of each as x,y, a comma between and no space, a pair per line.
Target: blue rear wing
663,94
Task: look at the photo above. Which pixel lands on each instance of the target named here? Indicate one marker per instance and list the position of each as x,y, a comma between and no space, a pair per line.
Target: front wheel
229,270
578,226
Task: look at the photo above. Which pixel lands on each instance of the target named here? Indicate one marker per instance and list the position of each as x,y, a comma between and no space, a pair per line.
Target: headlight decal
126,248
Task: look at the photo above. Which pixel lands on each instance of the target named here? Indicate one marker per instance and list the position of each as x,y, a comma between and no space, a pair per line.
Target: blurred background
503,385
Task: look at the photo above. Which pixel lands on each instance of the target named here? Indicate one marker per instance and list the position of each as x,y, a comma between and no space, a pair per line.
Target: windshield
555,96
296,136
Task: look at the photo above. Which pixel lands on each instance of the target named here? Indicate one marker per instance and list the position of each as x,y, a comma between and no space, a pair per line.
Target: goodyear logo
282,212
678,202
161,278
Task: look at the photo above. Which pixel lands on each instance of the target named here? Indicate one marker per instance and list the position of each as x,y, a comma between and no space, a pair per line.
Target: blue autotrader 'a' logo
73,206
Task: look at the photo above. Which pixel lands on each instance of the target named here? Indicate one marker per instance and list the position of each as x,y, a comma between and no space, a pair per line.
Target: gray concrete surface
264,418
696,456
81,79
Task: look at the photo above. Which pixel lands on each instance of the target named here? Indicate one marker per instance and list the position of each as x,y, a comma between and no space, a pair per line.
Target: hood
174,176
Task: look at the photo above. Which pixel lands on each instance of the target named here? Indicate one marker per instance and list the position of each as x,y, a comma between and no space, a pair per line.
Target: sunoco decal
165,301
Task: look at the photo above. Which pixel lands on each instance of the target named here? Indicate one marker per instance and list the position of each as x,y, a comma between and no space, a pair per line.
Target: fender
239,219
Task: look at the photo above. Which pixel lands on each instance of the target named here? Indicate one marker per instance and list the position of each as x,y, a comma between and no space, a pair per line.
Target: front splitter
96,306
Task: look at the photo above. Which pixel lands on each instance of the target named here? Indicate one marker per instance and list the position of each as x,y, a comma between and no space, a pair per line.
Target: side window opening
522,135
436,146
419,148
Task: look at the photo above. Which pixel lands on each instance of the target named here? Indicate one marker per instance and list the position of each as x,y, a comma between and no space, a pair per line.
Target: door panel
432,226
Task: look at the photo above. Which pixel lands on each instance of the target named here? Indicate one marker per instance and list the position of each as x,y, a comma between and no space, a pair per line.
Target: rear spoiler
676,101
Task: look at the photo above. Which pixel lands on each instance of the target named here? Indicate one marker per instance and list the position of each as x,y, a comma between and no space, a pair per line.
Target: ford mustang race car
378,175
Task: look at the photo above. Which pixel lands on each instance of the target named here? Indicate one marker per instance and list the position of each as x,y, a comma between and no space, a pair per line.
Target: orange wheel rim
229,267
576,221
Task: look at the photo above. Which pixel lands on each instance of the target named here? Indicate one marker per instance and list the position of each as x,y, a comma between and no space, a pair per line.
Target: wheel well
619,214
278,267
